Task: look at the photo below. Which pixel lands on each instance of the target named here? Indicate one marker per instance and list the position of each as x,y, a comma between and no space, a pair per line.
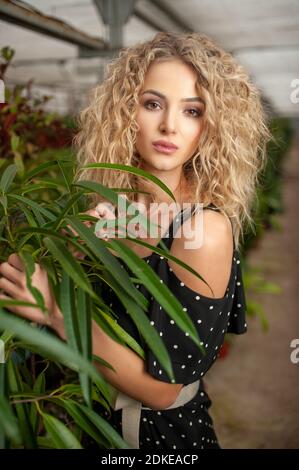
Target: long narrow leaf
98,248
166,253
8,177
73,200
29,265
45,442
52,348
43,231
33,205
36,186
69,264
105,428
149,333
62,437
83,305
161,292
68,308
15,386
39,388
119,334
40,168
109,194
75,311
84,319
65,174
3,201
2,396
133,170
8,423
84,423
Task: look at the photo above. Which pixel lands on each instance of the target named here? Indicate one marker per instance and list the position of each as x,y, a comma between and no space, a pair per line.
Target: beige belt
131,411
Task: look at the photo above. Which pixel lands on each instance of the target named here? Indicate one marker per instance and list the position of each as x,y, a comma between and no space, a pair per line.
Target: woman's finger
25,312
7,286
16,261
4,297
105,211
88,223
12,308
92,213
66,233
11,273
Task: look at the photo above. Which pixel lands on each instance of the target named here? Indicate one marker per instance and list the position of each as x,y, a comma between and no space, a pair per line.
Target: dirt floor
255,389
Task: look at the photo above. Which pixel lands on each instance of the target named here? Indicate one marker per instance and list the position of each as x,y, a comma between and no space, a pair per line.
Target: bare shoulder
211,255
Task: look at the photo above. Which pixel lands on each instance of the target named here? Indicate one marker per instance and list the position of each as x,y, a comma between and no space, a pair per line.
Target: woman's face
170,109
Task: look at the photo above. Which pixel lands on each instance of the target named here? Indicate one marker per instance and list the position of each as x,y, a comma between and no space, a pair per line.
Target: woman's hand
105,211
13,284
100,212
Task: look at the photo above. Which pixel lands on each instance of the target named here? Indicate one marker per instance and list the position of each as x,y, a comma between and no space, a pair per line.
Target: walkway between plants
255,389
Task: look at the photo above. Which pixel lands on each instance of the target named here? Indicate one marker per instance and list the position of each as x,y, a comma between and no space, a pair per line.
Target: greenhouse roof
262,34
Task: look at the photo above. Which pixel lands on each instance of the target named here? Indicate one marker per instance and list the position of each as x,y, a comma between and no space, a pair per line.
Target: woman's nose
168,123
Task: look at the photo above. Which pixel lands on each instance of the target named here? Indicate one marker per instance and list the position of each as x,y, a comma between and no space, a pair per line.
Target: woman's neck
178,188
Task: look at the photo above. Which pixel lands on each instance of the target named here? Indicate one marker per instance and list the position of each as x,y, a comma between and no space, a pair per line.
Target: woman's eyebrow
154,92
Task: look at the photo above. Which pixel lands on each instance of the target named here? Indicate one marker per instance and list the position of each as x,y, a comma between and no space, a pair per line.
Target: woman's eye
194,112
149,104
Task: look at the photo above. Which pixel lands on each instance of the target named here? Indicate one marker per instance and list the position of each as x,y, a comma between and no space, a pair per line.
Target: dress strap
174,226
179,219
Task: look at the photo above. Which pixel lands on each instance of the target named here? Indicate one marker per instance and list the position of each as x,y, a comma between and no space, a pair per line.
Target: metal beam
147,20
32,19
172,15
267,47
115,13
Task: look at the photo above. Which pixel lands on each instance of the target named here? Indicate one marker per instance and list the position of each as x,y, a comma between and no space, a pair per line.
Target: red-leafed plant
27,131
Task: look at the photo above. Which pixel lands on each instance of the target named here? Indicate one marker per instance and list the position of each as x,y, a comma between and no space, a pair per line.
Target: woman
184,110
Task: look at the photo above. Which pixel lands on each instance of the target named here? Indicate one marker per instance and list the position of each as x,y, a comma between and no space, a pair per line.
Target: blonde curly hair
232,147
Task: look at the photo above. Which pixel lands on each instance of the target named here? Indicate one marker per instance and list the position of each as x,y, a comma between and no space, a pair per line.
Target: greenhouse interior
54,394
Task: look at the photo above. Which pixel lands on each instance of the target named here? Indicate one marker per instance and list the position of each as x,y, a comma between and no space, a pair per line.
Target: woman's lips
163,149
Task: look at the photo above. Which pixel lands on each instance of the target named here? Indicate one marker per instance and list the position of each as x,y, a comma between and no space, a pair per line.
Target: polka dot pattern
189,426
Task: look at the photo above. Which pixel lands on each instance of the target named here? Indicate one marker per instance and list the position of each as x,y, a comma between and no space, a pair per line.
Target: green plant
269,201
37,410
29,134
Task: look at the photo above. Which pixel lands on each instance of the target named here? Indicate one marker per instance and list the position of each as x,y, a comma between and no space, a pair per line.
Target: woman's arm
130,376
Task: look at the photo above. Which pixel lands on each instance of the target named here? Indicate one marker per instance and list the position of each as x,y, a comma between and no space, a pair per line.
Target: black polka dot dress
189,426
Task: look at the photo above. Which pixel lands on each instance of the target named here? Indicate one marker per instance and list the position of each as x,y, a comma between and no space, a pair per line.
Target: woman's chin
162,164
